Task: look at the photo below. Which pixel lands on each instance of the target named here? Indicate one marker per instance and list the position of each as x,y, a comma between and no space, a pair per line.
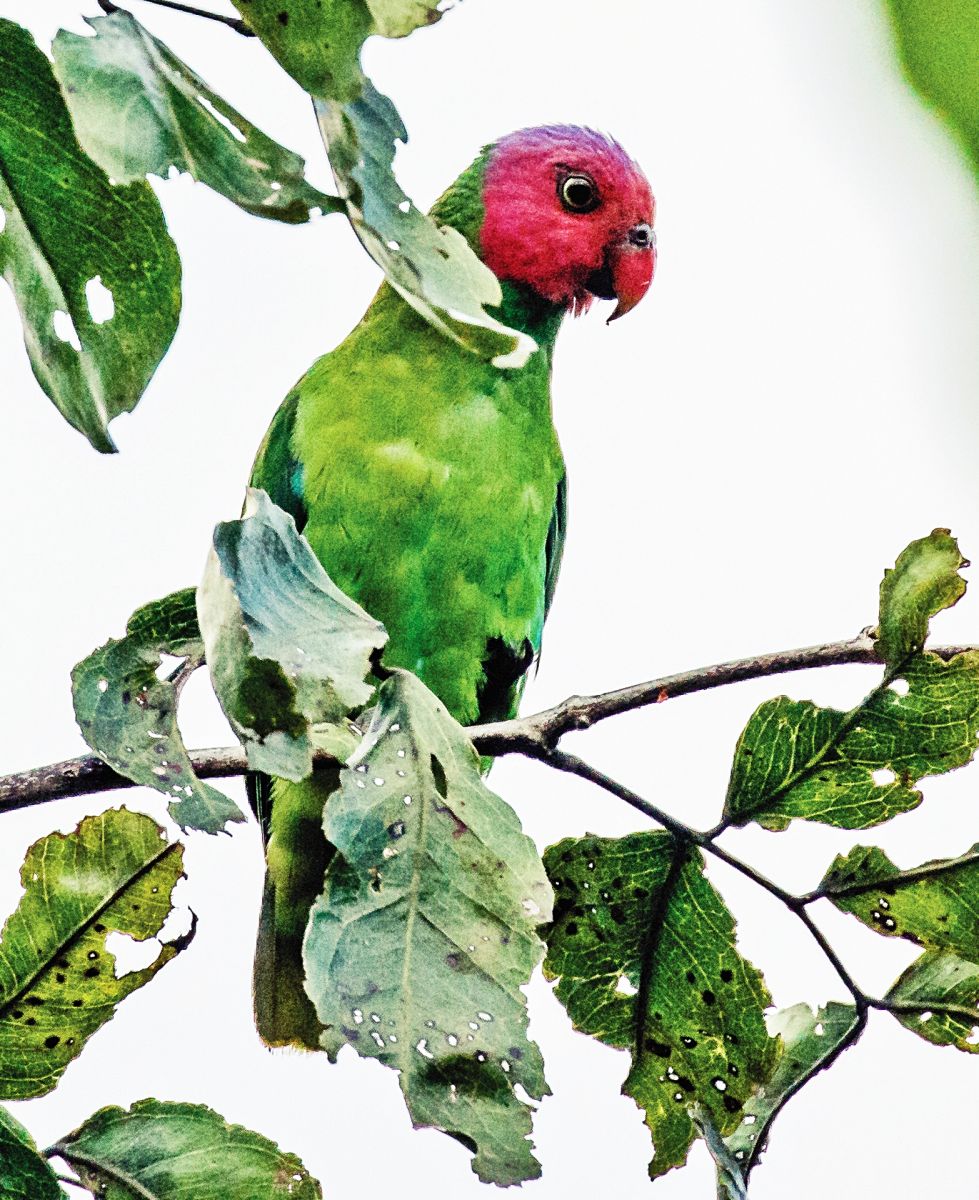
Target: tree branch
235,23
524,735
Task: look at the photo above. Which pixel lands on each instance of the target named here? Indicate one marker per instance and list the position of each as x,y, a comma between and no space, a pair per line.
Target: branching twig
235,23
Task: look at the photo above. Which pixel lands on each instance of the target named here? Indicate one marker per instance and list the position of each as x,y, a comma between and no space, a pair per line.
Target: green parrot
430,483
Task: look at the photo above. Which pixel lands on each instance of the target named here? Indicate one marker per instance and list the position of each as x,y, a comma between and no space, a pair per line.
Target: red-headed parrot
430,482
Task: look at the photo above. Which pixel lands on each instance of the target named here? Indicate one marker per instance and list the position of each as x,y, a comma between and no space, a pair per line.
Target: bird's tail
297,855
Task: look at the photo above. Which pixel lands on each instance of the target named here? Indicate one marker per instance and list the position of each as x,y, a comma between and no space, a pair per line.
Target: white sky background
794,402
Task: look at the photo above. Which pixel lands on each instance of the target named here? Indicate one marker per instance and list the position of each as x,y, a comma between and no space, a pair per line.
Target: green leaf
939,46
318,41
24,1174
644,952
114,874
933,905
129,716
431,266
809,1040
137,109
418,949
934,986
173,1151
68,233
856,769
924,580
286,648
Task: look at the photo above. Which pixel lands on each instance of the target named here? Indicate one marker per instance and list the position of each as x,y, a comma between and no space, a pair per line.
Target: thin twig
235,23
524,735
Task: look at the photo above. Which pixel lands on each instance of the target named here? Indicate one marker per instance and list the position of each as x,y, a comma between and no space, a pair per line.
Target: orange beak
631,264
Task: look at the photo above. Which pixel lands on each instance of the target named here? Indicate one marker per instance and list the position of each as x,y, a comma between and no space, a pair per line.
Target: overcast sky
792,404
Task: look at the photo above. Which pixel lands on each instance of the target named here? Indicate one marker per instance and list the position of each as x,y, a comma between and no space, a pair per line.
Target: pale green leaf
856,769
68,238
287,650
137,109
173,1151
930,985
129,716
417,951
114,874
924,580
644,952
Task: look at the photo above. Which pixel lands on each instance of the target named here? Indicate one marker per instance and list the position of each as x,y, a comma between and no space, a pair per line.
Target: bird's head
567,213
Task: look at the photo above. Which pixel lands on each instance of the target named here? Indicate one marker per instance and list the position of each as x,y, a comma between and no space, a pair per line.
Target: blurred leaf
68,238
115,873
24,1174
181,1152
933,905
137,109
924,580
318,41
731,1183
418,949
856,769
939,45
431,266
286,648
644,953
808,1040
932,982
129,716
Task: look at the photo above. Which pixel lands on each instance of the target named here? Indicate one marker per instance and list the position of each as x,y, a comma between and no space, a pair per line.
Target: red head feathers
568,213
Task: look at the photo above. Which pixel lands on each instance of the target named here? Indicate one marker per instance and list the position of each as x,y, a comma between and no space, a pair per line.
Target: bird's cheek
632,269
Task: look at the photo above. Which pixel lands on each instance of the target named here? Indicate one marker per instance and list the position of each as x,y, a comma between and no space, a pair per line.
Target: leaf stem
235,23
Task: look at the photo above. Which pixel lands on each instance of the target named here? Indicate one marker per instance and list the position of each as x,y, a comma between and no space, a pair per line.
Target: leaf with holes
942,993
318,41
939,46
58,985
856,769
92,268
128,715
933,905
417,951
137,109
288,651
809,1041
432,266
172,1151
24,1174
643,951
924,580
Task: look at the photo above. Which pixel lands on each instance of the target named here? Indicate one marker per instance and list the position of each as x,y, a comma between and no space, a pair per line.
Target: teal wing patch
277,470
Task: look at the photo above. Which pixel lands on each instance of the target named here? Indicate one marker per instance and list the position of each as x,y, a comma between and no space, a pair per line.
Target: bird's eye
578,193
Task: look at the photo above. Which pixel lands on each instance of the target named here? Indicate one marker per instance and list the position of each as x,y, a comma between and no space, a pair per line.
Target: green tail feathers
297,856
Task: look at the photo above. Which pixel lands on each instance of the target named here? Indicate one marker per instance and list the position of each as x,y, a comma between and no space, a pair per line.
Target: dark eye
578,193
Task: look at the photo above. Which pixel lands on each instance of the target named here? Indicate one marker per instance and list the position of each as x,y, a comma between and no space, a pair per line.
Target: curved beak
627,270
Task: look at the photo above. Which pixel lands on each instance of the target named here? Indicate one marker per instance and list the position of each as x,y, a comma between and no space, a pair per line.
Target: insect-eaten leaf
287,650
643,951
941,992
924,580
430,264
939,46
113,875
856,769
426,932
128,715
137,109
809,1040
173,1151
92,267
24,1174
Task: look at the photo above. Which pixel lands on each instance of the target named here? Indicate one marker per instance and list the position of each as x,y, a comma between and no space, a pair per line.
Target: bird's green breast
429,480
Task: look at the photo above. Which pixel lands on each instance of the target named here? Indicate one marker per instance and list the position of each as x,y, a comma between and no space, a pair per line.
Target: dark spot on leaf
352,1035
660,1049
572,927
452,960
515,1052
31,1021
689,1042
92,973
691,977
93,954
567,856
708,997
34,1001
52,1041
282,18
617,881
617,913
732,1068
18,1013
732,1103
438,777
640,893
76,1003
726,975
60,978
100,928
685,1083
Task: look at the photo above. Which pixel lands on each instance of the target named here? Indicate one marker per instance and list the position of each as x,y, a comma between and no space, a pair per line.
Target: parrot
430,483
